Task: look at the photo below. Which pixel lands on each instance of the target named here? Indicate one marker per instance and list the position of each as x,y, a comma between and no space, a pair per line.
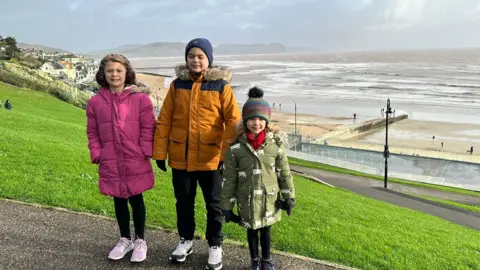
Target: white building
54,69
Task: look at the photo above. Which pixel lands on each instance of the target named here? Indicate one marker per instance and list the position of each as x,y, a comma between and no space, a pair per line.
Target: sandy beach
407,136
157,84
456,138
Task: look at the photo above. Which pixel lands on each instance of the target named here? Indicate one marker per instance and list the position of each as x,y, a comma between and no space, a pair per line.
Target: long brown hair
130,77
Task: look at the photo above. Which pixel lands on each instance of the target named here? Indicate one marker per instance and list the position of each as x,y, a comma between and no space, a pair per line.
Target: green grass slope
44,159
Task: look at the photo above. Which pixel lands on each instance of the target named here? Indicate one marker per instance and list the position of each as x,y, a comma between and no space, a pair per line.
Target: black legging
123,215
252,236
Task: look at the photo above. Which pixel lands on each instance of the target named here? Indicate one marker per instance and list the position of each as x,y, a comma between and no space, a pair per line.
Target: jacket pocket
209,147
177,146
270,197
244,202
132,150
106,152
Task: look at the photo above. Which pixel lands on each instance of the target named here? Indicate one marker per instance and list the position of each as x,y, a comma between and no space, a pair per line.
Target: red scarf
256,142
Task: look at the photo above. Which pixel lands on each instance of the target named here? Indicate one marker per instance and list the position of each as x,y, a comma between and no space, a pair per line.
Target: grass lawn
44,159
472,208
325,167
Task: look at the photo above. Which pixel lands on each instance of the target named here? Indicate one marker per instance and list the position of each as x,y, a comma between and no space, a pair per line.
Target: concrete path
38,238
374,189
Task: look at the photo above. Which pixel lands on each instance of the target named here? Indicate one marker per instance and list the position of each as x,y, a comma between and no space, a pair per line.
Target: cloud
405,10
73,6
388,27
83,25
404,14
131,9
247,25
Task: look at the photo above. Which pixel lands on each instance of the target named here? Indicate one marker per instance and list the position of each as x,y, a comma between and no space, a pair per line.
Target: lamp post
295,118
386,153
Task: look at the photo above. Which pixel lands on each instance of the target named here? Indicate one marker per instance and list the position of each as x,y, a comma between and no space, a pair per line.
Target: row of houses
71,69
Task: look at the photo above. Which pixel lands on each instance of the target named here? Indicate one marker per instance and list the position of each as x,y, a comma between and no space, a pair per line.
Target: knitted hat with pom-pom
256,106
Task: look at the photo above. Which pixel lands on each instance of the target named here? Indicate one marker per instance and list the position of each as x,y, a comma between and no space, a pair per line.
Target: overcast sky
85,25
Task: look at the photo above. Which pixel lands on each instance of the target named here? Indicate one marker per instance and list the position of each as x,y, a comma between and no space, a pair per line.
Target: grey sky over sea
86,25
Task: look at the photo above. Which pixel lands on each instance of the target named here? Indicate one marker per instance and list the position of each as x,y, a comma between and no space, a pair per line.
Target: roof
57,65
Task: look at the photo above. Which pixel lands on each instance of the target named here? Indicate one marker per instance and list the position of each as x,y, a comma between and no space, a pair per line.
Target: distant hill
158,49
121,49
40,47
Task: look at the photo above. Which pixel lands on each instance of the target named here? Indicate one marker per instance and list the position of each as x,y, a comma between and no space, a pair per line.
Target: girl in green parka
257,178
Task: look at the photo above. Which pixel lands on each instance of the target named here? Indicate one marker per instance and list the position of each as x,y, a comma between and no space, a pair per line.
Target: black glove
230,216
286,205
161,165
220,167
289,204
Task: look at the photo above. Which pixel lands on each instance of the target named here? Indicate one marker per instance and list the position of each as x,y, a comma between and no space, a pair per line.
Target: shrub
25,77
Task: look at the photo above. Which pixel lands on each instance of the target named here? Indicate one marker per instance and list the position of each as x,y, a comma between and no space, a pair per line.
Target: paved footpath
374,189
33,237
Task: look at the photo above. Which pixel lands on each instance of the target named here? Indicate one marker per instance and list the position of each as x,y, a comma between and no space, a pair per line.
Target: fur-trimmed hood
138,89
213,73
130,89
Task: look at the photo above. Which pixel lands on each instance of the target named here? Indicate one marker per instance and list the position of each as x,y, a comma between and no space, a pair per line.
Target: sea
429,85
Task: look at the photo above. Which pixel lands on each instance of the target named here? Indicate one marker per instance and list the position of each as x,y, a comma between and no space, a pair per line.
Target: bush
24,77
30,61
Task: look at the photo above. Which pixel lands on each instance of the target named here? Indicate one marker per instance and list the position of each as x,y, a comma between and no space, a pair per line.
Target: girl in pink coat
120,128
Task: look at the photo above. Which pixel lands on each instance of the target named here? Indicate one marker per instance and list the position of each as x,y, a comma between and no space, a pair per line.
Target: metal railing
419,169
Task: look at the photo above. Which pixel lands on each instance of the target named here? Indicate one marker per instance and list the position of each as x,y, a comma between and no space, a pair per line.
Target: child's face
256,125
115,74
197,60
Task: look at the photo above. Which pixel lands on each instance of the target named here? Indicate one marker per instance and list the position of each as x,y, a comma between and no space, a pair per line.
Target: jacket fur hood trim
211,74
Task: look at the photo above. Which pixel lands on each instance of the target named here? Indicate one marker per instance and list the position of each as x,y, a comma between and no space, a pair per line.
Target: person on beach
471,150
257,178
120,128
194,129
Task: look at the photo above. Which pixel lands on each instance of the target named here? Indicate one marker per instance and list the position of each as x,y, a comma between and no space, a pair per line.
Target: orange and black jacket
197,120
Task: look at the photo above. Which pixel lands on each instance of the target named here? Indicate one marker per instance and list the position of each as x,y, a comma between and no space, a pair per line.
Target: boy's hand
220,167
161,165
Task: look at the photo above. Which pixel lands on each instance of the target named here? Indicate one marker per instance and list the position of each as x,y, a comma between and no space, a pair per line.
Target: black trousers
265,238
123,215
185,188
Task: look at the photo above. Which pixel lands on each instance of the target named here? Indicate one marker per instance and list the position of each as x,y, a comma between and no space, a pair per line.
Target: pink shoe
123,247
139,251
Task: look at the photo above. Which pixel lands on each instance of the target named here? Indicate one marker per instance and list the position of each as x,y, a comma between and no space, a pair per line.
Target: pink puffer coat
120,130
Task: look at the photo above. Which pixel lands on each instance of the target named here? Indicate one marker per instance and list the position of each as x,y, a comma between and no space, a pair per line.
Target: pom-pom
255,92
